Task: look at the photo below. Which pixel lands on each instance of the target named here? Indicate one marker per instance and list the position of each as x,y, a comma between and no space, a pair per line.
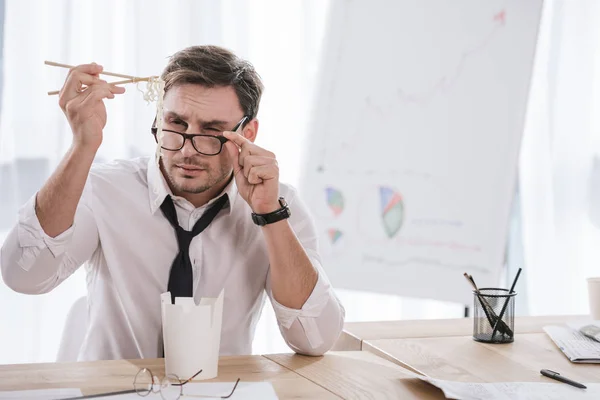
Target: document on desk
575,345
590,329
42,394
208,391
514,390
244,390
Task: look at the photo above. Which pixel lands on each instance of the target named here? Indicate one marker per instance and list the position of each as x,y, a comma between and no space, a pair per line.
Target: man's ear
251,130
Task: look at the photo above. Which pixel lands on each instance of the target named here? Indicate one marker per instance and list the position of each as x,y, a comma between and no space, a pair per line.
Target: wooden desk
461,358
358,375
337,374
106,376
355,332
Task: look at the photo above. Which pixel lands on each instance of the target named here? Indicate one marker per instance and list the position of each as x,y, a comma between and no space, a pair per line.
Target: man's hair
214,66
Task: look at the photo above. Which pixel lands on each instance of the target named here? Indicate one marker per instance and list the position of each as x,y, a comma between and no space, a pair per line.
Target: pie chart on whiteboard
392,211
380,215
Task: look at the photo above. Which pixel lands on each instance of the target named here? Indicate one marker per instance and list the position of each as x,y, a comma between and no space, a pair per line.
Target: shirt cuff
309,312
33,238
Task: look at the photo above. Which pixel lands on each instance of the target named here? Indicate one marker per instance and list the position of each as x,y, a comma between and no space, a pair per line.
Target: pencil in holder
494,315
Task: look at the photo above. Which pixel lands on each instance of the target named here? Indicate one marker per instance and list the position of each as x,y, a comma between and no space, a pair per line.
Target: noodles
155,91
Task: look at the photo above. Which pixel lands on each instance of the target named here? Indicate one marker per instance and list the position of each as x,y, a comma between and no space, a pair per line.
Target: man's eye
213,129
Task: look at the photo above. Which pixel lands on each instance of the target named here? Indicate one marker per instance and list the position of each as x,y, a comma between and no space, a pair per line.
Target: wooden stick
135,80
130,81
55,64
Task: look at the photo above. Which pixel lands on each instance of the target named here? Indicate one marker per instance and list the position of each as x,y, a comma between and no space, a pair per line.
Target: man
211,215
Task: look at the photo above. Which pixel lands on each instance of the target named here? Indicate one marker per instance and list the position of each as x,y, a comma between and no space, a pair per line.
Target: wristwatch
275,216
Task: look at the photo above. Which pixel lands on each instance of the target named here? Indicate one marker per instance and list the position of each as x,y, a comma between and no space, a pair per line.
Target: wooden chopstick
55,64
130,78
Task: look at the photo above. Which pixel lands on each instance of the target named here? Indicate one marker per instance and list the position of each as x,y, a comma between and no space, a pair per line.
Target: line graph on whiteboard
387,105
447,81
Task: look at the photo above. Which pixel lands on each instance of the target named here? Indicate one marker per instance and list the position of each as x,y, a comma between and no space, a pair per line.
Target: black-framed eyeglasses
170,387
208,145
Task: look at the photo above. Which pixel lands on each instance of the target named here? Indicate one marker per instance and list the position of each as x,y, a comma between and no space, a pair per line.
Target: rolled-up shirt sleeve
314,328
33,262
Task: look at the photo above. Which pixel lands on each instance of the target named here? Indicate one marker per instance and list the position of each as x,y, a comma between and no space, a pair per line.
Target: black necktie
181,280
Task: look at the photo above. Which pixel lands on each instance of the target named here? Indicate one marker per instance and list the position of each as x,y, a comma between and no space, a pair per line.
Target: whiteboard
414,142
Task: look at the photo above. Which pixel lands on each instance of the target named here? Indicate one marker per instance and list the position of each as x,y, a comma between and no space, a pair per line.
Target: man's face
191,108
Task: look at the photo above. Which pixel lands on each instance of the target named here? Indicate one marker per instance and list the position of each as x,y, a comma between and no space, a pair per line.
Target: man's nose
188,149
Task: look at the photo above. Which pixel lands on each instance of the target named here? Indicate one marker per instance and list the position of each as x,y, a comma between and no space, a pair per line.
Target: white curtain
559,171
282,40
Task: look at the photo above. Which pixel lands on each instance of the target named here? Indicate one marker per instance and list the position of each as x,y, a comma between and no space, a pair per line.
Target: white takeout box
191,335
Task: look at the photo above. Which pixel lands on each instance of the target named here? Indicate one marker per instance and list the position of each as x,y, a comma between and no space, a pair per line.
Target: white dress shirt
128,247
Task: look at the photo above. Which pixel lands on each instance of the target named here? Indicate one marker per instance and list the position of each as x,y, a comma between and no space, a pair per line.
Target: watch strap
272,217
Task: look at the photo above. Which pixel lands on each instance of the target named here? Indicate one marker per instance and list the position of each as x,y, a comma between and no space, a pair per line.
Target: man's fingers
74,84
234,153
116,89
262,173
91,69
85,74
85,69
94,94
87,100
99,92
236,138
108,90
246,145
255,161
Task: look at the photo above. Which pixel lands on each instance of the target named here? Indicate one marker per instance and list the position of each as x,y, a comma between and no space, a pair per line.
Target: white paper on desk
40,394
192,335
244,390
514,390
589,326
575,345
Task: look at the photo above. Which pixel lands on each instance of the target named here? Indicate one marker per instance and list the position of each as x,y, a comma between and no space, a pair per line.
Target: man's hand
81,99
256,173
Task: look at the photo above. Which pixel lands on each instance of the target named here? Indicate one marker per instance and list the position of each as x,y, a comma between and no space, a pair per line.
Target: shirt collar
158,189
